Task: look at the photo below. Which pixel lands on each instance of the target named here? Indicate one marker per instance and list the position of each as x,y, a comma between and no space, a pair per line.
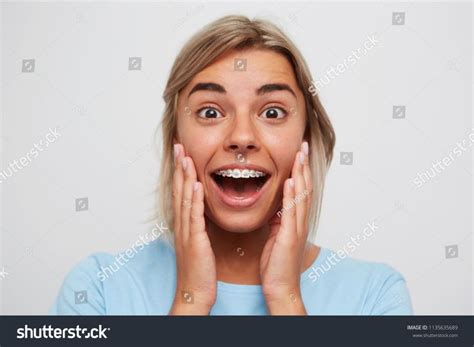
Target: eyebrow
266,88
213,87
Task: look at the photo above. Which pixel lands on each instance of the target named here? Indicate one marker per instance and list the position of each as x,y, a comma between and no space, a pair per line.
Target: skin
245,245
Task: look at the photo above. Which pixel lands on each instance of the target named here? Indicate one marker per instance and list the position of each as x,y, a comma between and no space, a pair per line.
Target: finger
198,223
186,203
300,201
178,180
276,219
288,215
308,179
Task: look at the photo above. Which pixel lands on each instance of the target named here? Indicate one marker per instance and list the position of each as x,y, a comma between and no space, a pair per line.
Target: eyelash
285,112
209,107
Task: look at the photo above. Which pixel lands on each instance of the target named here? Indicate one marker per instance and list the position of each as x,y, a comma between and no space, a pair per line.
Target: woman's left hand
282,257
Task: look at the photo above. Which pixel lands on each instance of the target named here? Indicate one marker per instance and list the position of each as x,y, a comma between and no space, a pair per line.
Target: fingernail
301,157
292,182
176,150
305,148
195,186
184,163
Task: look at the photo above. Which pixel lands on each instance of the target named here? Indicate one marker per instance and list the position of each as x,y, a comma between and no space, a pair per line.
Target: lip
235,202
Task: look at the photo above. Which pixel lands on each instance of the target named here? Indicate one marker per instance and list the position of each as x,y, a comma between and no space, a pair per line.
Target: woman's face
244,115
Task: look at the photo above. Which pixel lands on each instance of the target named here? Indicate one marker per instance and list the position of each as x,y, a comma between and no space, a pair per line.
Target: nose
242,136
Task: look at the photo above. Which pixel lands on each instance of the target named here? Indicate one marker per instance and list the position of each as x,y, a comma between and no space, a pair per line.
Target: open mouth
240,184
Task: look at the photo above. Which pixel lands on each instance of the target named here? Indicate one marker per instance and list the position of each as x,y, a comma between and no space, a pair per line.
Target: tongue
240,187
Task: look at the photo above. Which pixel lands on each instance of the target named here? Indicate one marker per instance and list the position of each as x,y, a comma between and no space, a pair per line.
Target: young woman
246,148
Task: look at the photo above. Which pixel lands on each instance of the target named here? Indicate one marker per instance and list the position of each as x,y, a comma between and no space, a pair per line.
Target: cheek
282,149
200,146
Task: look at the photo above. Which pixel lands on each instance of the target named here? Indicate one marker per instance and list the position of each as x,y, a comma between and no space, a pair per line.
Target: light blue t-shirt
145,285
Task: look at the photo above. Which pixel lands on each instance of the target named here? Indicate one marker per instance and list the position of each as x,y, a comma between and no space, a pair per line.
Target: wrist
285,301
180,309
190,303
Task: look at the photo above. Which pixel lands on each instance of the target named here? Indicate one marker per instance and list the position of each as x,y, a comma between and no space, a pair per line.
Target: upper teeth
236,173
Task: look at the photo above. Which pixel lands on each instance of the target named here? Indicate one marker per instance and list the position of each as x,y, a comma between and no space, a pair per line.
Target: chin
240,222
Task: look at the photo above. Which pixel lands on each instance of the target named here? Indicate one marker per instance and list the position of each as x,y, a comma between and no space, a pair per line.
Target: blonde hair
205,47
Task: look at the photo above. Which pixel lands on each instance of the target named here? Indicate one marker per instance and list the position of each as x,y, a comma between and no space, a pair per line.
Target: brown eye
273,113
209,112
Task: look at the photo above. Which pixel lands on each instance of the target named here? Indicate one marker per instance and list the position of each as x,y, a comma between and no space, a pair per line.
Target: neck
237,254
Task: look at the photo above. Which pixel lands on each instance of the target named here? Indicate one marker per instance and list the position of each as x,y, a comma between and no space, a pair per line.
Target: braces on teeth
236,173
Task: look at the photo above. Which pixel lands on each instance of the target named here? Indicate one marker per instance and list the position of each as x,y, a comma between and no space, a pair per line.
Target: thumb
274,224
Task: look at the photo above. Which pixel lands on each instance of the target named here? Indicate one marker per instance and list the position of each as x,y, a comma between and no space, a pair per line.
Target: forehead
252,67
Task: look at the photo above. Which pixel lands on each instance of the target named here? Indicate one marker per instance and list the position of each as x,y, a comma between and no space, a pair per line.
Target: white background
107,117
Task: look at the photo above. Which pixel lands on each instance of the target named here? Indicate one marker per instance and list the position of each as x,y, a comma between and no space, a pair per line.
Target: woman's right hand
196,285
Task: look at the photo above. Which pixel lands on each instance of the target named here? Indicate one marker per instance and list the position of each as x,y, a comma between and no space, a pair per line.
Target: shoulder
332,264
387,291
86,285
376,287
81,291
